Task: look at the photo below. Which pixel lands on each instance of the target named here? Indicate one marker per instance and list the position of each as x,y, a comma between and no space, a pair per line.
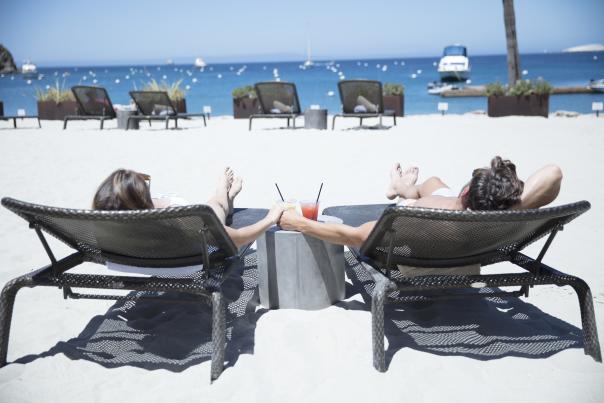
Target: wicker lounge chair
362,99
15,117
171,237
156,105
277,101
432,238
93,104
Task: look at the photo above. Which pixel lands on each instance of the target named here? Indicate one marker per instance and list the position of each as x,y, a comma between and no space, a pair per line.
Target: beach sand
470,351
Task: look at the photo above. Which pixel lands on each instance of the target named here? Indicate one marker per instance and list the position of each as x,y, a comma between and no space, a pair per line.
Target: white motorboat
199,62
28,69
437,89
454,65
597,85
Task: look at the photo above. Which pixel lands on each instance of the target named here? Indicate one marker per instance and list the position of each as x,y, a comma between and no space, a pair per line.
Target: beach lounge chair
157,105
166,238
277,101
362,99
430,238
15,117
93,104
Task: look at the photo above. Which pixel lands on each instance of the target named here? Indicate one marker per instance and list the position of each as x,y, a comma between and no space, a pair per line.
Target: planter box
243,108
180,105
395,103
50,110
527,105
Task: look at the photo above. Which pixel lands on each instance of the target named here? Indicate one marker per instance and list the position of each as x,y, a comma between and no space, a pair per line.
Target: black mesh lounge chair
171,237
93,104
156,105
15,117
278,101
362,99
444,238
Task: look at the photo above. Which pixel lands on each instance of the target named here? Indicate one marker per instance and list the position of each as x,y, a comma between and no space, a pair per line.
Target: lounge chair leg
294,120
15,123
394,117
128,123
102,123
65,123
591,344
361,124
204,120
377,325
176,123
218,335
250,125
7,301
333,122
287,122
167,120
39,124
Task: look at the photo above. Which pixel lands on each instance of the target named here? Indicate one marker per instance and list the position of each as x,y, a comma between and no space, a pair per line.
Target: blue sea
213,86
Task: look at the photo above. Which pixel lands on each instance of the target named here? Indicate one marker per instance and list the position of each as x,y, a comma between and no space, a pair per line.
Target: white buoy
165,77
194,80
419,71
277,79
402,63
378,66
84,78
524,72
219,75
28,81
384,67
595,57
342,77
127,77
330,93
365,64
188,87
434,64
395,63
117,80
47,86
94,81
468,81
413,75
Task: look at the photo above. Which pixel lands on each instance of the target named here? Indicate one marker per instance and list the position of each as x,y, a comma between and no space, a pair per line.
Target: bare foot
403,184
236,186
395,175
225,181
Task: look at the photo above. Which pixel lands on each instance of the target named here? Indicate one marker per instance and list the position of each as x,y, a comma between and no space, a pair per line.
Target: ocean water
213,86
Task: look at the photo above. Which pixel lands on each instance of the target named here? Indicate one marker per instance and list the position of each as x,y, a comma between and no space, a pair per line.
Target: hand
289,220
275,212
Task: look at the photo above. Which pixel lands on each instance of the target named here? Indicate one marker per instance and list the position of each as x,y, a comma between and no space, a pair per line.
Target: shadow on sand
151,334
479,328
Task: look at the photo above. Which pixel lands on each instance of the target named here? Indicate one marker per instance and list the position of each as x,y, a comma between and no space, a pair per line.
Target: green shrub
174,91
393,89
495,89
521,88
57,93
542,87
244,92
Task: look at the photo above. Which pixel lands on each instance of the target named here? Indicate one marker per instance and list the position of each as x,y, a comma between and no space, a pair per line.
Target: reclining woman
492,188
129,190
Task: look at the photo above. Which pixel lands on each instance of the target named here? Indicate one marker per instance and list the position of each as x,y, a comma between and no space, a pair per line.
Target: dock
480,91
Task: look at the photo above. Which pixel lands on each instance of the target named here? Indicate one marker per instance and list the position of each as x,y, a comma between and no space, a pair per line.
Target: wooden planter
243,108
526,105
180,105
50,110
395,103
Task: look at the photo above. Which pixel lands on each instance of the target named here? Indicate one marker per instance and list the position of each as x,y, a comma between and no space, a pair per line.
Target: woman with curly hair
491,188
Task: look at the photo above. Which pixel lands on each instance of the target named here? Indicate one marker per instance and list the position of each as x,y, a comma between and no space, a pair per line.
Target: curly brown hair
123,190
494,188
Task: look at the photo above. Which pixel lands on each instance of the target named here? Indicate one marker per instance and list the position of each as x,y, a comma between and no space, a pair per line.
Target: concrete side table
299,271
122,119
315,119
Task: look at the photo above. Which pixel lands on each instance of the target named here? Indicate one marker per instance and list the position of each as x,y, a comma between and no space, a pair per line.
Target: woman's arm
335,233
246,235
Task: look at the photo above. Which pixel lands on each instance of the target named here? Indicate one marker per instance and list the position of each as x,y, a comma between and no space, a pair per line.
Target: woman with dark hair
130,190
491,188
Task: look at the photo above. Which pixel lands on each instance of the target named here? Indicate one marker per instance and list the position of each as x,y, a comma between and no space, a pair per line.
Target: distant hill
7,64
594,47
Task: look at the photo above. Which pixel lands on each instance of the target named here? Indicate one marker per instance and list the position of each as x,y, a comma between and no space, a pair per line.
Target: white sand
291,355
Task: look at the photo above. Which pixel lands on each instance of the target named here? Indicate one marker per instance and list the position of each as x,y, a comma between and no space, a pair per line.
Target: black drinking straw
277,186
321,188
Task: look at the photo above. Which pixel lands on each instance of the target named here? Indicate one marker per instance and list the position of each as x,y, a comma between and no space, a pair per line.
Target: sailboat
308,64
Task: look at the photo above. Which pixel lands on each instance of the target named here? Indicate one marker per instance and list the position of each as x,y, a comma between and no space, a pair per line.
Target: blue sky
81,32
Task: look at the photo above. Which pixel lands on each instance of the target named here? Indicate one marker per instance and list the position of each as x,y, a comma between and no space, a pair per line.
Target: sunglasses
147,179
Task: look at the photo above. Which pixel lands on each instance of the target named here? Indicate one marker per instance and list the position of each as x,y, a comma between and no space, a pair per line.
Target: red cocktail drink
310,209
